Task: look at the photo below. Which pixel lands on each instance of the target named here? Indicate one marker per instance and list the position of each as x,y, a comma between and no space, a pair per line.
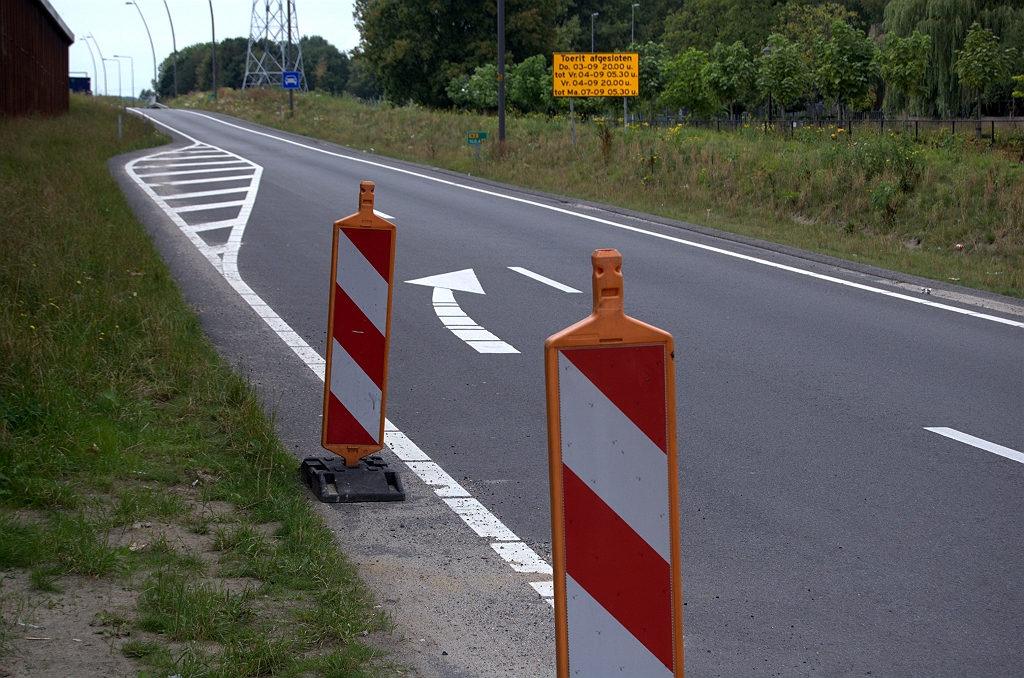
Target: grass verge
130,452
946,207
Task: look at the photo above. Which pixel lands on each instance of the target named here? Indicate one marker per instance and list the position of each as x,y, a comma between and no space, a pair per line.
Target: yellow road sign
596,74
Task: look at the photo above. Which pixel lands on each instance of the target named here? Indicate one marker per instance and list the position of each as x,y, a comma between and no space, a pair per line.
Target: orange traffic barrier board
358,332
614,490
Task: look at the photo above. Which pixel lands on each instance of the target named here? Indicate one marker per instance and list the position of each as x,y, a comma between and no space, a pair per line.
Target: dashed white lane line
626,227
547,281
513,550
977,442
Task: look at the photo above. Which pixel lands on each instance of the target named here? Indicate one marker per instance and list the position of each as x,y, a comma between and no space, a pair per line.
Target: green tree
653,64
780,71
326,68
478,91
729,73
982,62
1018,91
529,85
902,63
810,25
702,23
686,85
847,65
416,48
947,22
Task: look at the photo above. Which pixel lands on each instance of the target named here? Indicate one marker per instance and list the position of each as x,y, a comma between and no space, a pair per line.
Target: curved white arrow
454,318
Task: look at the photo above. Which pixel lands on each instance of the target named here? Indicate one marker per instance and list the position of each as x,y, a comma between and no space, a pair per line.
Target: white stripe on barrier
354,390
614,457
597,638
362,283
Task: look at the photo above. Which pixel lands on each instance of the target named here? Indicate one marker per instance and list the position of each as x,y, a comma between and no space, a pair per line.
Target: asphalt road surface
825,530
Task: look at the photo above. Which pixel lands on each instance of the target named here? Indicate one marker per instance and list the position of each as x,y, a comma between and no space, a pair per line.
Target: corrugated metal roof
57,20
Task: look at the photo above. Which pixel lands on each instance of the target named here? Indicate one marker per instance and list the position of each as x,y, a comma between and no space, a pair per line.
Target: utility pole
174,43
501,77
632,41
213,57
592,30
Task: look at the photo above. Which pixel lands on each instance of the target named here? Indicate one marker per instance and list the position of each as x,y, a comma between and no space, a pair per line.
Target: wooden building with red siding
34,45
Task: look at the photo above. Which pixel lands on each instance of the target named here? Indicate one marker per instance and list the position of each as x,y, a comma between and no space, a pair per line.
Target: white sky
119,30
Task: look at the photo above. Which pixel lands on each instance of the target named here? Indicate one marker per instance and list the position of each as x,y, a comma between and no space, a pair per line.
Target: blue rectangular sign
290,80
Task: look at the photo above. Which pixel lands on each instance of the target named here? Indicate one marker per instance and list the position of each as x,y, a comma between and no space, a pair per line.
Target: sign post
614,490
476,140
595,74
356,373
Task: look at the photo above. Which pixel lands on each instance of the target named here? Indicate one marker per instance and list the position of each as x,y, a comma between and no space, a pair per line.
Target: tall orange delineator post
614,490
358,332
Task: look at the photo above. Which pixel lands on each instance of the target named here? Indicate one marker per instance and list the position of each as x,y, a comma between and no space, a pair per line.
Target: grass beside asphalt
945,207
129,450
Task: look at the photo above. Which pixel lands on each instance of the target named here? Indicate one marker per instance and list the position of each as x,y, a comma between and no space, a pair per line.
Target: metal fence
868,123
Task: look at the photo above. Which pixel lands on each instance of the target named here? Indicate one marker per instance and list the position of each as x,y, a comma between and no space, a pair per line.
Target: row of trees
707,55
327,68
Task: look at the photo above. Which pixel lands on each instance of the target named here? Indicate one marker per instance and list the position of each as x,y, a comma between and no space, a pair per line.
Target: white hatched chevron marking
474,514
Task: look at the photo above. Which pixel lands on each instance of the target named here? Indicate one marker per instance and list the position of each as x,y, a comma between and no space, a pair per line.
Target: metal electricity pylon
274,45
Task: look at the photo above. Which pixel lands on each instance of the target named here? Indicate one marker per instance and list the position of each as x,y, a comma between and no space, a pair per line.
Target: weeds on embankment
130,452
944,207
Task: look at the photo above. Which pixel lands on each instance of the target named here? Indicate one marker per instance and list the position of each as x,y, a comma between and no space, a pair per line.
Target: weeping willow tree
947,23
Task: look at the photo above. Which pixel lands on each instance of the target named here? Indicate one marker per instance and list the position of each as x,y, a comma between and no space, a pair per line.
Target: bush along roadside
946,207
132,457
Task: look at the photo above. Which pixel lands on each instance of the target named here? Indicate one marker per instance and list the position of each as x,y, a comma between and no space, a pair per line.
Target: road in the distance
824,530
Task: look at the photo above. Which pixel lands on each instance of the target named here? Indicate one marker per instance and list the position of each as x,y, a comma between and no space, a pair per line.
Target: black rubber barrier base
333,482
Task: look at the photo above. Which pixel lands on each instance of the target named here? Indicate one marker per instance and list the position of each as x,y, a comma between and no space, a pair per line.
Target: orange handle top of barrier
366,196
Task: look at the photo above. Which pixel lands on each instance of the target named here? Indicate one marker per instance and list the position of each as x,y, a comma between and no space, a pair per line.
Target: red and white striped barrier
614,491
359,329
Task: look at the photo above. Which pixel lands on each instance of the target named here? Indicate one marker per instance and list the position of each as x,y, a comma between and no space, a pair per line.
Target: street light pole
106,90
592,30
501,77
632,41
213,45
151,48
95,74
132,62
174,43
119,95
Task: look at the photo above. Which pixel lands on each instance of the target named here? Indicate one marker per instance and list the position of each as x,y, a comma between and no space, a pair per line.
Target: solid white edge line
981,444
547,281
634,229
473,513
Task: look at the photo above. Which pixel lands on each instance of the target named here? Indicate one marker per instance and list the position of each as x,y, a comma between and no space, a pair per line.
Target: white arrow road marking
452,315
547,281
463,281
977,442
472,512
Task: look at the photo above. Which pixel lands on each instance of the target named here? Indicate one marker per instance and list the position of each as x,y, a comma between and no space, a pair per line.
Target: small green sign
476,138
